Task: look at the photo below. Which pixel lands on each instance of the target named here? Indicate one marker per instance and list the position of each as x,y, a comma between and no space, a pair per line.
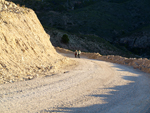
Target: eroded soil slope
25,49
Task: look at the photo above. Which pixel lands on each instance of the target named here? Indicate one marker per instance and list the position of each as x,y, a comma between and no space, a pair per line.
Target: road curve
91,87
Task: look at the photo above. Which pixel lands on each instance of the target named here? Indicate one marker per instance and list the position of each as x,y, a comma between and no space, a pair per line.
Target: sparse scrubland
125,23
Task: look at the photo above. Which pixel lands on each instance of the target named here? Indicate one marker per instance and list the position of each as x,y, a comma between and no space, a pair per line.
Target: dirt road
91,87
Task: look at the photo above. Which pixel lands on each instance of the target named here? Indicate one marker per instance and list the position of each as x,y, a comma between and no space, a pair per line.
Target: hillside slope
106,18
117,21
25,49
87,43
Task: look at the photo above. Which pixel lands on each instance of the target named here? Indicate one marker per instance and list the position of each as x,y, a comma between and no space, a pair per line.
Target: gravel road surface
91,87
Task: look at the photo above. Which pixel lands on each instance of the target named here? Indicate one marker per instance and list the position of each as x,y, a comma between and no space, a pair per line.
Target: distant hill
117,21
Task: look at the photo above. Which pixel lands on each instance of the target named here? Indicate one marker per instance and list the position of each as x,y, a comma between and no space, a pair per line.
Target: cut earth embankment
25,49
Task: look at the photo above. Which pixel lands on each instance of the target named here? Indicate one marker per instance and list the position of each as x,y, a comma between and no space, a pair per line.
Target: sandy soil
91,87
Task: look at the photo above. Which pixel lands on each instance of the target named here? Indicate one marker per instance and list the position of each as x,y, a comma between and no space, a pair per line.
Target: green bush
65,39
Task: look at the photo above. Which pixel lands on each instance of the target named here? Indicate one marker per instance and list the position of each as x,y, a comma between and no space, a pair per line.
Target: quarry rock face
25,48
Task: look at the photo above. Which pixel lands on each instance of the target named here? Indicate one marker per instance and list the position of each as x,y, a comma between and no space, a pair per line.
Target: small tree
65,39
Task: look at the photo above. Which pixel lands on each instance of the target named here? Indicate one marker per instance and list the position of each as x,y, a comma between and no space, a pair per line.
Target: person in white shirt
79,52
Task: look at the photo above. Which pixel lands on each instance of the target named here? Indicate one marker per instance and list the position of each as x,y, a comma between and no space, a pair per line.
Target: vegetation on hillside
65,39
86,43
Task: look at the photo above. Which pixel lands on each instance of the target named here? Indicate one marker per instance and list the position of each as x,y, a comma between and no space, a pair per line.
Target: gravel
91,87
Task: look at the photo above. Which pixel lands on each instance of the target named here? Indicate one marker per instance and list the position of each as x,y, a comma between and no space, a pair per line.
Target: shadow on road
118,99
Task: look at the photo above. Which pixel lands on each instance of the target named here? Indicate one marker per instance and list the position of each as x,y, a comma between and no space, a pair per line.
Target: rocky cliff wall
140,40
25,49
138,43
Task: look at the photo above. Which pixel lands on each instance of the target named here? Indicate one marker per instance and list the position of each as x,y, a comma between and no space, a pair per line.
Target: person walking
79,52
76,52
